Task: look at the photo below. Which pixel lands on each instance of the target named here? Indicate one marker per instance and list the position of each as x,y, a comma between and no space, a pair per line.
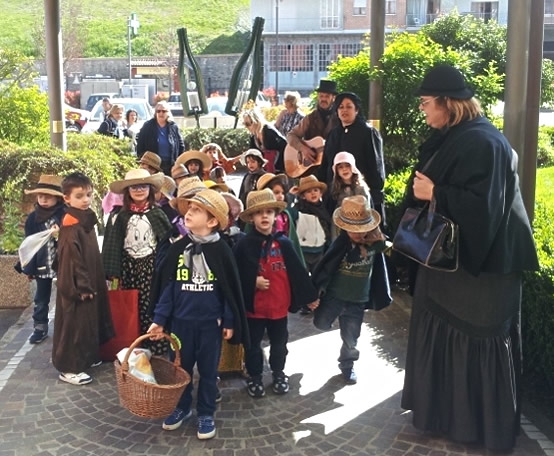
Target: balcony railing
417,20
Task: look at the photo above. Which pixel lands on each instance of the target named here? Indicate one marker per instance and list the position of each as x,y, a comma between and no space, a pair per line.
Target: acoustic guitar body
296,165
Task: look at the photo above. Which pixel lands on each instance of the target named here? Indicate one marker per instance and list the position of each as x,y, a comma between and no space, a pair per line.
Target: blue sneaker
206,427
175,420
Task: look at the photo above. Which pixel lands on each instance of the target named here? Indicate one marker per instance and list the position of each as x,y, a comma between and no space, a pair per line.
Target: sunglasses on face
138,187
160,110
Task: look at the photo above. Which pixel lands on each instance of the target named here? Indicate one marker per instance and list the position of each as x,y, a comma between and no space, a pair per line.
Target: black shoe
255,387
38,336
280,383
305,311
349,376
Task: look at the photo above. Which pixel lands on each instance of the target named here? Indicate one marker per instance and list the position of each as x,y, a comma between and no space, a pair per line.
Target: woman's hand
423,187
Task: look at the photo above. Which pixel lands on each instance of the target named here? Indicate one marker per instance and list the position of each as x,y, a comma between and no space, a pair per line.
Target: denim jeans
278,334
42,301
351,316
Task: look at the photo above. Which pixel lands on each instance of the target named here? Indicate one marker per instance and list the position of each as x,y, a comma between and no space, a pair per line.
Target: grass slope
103,26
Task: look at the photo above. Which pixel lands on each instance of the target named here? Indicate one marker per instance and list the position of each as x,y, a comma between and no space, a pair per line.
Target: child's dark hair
200,171
255,157
75,180
127,200
338,184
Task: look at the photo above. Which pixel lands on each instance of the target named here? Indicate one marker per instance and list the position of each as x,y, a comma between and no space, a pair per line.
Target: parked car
175,106
144,111
96,97
75,118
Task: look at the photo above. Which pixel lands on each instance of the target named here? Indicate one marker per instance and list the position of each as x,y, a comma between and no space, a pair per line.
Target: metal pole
129,51
277,56
515,89
54,70
528,163
377,47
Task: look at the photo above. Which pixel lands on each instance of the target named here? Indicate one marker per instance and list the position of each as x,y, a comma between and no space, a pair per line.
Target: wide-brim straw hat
179,171
265,180
218,186
49,185
306,183
151,159
168,187
214,203
355,215
253,153
444,81
137,177
188,187
185,157
235,205
261,199
345,157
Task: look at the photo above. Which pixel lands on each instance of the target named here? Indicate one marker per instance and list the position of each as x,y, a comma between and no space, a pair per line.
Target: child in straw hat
254,162
133,234
201,299
47,215
352,277
196,162
151,162
274,282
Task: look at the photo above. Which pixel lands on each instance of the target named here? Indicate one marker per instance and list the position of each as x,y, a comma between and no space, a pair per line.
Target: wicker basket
149,400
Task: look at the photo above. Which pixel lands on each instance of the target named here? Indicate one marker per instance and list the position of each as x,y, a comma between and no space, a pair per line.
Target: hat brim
155,180
347,225
463,94
279,206
202,157
235,205
46,191
222,219
260,157
149,163
299,189
280,178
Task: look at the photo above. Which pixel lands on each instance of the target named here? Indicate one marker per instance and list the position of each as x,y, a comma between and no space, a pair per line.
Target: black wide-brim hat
327,86
444,81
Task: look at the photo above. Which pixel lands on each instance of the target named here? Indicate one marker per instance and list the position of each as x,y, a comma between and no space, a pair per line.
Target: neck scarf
139,209
194,258
44,213
87,218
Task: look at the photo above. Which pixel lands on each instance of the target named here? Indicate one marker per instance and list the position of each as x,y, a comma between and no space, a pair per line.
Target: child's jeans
42,302
200,345
351,316
278,334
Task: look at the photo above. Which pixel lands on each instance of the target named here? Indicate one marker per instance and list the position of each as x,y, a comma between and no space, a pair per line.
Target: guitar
295,164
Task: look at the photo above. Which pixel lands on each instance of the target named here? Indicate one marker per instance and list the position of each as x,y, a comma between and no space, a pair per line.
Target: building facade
301,38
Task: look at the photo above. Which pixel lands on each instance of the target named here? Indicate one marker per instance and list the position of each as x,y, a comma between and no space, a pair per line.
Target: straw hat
261,199
188,187
345,157
178,171
306,183
49,185
168,187
266,179
137,177
235,205
214,203
355,215
253,153
152,159
185,157
218,186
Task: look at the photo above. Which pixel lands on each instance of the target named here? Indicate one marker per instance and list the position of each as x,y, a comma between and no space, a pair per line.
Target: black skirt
463,364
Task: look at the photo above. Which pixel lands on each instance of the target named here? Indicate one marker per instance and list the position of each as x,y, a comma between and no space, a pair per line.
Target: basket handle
138,340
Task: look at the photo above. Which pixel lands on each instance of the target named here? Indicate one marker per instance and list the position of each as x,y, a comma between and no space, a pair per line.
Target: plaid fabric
51,248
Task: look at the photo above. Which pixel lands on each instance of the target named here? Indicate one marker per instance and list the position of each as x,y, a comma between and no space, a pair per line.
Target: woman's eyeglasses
138,187
425,102
160,110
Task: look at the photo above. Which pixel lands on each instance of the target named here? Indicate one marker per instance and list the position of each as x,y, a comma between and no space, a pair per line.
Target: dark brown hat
327,86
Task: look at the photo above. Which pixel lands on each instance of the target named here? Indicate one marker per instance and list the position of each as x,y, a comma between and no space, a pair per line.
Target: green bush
233,141
101,158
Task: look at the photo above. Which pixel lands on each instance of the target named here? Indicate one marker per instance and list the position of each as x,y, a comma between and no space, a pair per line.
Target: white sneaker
96,364
75,379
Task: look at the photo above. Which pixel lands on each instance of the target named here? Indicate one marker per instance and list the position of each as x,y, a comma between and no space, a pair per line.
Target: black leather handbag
428,238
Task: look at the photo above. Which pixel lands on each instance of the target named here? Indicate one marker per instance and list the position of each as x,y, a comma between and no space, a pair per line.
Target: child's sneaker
206,427
255,387
175,420
38,336
75,379
280,383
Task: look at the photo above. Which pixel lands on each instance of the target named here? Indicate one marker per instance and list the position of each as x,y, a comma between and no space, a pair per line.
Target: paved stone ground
41,416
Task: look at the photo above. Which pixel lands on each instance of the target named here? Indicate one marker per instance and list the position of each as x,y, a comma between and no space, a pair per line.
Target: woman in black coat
162,136
354,135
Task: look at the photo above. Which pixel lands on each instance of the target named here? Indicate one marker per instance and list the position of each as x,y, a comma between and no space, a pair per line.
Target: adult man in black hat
318,123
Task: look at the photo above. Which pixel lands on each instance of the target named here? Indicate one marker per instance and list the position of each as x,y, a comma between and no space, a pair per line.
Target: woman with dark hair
162,136
463,364
364,142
